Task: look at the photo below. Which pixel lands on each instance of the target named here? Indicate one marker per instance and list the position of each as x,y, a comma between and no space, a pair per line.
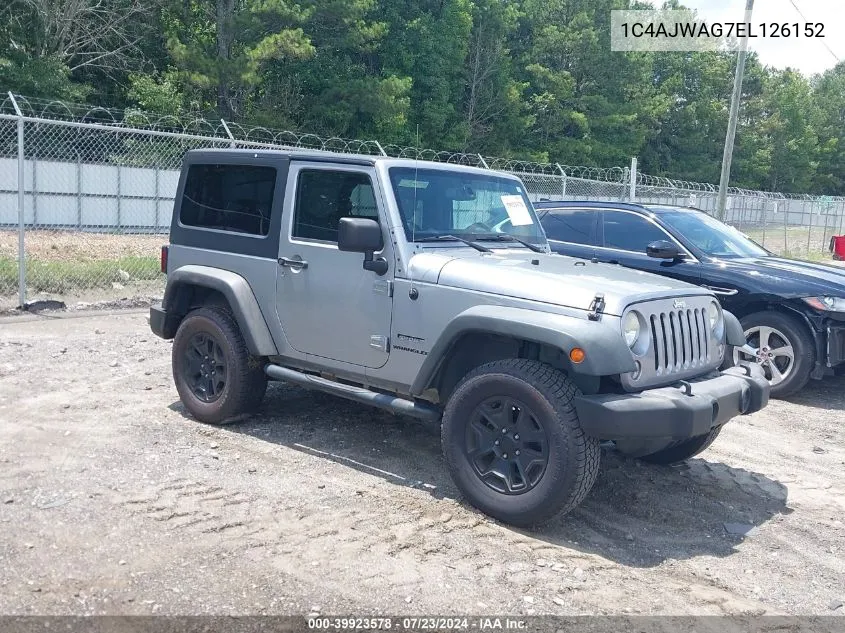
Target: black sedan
793,312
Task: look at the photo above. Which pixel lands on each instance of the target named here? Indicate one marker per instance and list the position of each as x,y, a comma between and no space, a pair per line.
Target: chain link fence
96,188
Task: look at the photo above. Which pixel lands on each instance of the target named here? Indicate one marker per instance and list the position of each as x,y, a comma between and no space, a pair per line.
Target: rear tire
513,442
216,376
683,450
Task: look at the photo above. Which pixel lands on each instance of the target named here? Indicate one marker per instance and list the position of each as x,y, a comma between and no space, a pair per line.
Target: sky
806,55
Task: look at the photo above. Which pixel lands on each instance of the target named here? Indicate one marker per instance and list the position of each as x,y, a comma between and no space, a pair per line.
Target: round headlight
631,328
715,314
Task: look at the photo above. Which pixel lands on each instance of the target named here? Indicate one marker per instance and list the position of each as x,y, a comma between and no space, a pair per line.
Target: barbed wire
199,126
523,166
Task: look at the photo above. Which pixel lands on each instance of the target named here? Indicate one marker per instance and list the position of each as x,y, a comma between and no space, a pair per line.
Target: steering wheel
500,226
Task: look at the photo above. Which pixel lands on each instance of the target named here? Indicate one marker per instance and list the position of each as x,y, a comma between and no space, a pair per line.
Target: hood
555,279
786,277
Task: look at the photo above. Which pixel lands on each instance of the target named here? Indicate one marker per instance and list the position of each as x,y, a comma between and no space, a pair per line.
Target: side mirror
663,249
362,235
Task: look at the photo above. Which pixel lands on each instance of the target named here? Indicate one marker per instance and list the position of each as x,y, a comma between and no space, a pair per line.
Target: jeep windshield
439,204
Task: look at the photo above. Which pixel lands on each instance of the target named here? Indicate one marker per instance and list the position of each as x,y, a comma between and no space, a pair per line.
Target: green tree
223,46
54,48
493,111
788,123
690,135
428,42
589,105
829,96
344,84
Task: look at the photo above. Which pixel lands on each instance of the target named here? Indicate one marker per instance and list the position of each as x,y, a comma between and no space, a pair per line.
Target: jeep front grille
680,340
677,342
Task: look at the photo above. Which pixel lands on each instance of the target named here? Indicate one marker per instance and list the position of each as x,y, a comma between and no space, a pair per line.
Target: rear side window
569,225
236,198
324,196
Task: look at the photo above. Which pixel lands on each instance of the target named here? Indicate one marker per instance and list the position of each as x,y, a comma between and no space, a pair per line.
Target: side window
324,196
235,198
629,232
569,225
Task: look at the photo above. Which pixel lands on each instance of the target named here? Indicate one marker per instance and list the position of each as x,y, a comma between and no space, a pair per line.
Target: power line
803,17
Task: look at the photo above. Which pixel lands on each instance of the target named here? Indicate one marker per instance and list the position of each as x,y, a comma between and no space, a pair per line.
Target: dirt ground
112,501
77,246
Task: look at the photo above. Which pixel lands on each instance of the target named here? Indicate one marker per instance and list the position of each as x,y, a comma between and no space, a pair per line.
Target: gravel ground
113,501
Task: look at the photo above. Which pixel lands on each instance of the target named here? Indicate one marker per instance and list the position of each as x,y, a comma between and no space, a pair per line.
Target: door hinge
383,287
379,341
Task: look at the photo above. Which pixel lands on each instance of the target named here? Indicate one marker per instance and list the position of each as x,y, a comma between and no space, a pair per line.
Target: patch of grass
58,277
812,256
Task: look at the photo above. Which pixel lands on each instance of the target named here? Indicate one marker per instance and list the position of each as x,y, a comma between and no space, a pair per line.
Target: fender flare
237,292
734,334
605,350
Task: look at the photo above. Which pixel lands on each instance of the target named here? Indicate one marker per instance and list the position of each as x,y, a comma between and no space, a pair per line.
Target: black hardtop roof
292,154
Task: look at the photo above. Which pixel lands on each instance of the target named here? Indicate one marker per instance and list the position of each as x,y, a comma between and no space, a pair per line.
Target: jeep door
328,305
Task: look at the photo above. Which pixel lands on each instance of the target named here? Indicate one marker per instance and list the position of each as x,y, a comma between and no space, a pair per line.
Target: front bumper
835,343
676,412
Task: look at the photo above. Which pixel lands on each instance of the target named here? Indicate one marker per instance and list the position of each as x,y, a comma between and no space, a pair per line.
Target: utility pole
732,118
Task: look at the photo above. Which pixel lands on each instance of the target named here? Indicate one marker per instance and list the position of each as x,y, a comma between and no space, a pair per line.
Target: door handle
293,264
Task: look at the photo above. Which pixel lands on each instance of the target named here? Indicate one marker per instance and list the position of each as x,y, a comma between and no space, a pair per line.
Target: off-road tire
246,382
684,449
573,458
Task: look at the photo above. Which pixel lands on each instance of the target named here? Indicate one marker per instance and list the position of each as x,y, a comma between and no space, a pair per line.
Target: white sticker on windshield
517,211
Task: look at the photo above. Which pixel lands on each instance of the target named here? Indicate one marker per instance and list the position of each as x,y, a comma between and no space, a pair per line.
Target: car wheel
216,376
683,449
781,345
513,442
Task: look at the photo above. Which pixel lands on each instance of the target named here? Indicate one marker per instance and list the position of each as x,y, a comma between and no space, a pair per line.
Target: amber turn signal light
576,355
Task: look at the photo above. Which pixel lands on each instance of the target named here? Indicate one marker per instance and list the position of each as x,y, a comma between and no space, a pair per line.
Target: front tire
514,445
216,376
782,346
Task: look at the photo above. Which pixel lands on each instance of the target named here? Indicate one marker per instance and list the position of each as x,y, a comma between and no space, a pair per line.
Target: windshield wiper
507,237
454,238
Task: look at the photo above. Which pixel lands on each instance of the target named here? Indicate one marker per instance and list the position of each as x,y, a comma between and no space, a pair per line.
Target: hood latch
596,307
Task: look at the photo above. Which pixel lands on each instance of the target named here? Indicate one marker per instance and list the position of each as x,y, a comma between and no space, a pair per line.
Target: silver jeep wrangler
429,290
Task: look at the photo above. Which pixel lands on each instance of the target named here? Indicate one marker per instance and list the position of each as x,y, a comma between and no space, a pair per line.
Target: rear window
235,198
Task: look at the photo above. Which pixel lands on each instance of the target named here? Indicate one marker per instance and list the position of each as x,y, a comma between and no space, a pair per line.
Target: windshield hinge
596,307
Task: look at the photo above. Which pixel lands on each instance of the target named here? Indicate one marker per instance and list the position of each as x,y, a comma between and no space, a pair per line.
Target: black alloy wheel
506,445
205,367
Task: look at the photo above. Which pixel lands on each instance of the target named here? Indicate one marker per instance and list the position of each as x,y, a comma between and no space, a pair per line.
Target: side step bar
395,404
